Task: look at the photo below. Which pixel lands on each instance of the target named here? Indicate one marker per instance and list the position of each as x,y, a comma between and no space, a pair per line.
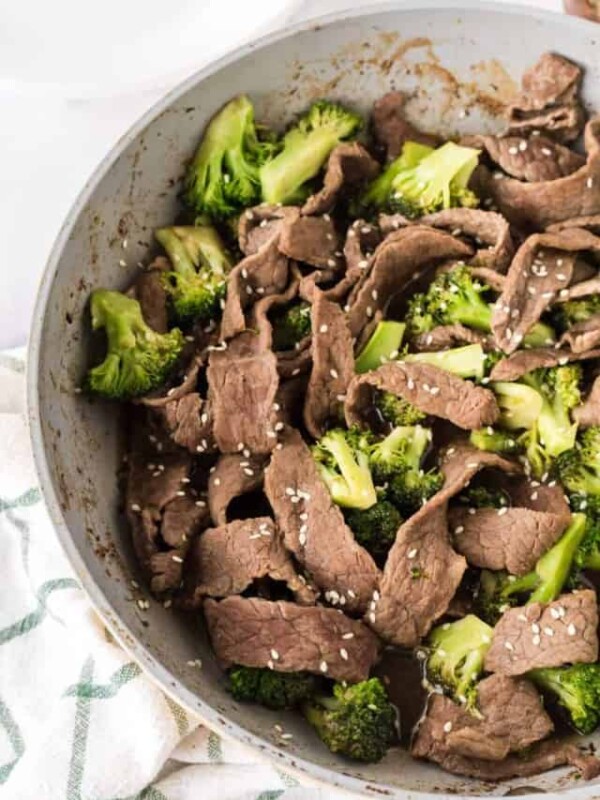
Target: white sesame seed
177,559
369,311
122,263
459,529
590,182
323,666
554,613
509,646
135,507
546,151
334,373
323,329
351,594
244,272
344,653
548,631
502,511
249,290
270,664
248,471
522,618
274,655
513,151
534,495
372,618
447,727
412,553
279,426
181,493
349,635
410,383
331,262
536,640
200,503
374,294
523,146
217,482
571,630
363,263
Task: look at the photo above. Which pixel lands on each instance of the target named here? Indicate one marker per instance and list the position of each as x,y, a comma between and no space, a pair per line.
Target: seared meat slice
546,635
536,158
391,128
258,225
349,164
312,240
314,529
233,475
149,291
583,335
460,462
287,637
523,361
444,337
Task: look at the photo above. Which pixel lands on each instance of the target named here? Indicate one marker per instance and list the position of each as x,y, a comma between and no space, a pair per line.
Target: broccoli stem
467,362
383,345
520,405
193,247
356,490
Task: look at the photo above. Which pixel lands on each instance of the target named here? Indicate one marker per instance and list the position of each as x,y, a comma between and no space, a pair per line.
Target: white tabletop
50,141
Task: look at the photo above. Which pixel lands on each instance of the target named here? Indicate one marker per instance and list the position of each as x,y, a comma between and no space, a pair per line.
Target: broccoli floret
197,283
467,361
396,463
520,405
223,177
492,440
378,194
291,325
579,467
437,181
457,651
306,147
577,690
484,497
342,458
560,393
573,311
138,359
356,721
375,528
397,410
269,688
588,554
384,345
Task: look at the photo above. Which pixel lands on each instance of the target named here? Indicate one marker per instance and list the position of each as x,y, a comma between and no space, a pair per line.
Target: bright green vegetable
342,458
291,325
467,361
520,405
378,196
560,393
383,346
492,440
579,467
397,410
577,690
272,689
375,528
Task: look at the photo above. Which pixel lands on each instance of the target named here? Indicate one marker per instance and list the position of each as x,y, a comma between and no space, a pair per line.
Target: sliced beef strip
226,560
400,258
290,399
545,497
460,462
333,366
513,539
495,280
312,240
259,315
583,289
590,223
523,361
149,291
181,520
535,159
588,413
291,363
233,476
349,164
420,578
429,388
444,337
489,231
391,128
538,205
542,267
189,422
549,100
314,529
242,385
546,635
289,637
260,274
186,385
258,225
583,335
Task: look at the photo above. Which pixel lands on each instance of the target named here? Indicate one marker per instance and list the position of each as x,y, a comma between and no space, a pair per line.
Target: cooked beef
149,291
542,267
290,399
420,578
537,205
333,366
226,560
262,273
348,166
189,422
446,336
524,361
506,538
233,476
549,100
242,384
187,384
391,128
546,497
400,258
312,240
258,225
287,637
460,462
588,413
495,280
181,520
313,527
583,335
546,635
429,388
291,363
578,290
259,315
590,223
535,159
489,231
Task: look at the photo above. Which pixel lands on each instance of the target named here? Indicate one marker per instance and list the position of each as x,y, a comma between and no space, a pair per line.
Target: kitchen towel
79,720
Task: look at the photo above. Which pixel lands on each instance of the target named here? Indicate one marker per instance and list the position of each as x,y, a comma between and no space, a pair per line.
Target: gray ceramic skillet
461,62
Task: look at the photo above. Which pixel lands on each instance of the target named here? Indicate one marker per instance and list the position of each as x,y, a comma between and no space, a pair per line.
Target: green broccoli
457,652
138,359
223,177
342,458
383,345
484,497
291,325
456,297
492,440
396,410
396,463
579,467
200,261
559,389
588,554
467,361
564,315
520,405
577,690
306,147
378,194
375,528
357,721
437,181
272,689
